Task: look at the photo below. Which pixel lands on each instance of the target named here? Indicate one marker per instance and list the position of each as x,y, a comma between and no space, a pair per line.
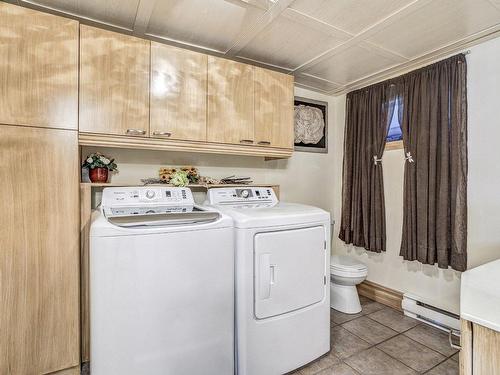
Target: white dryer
161,285
282,280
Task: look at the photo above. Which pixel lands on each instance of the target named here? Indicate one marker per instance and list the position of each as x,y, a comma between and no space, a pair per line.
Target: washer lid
103,227
345,263
281,214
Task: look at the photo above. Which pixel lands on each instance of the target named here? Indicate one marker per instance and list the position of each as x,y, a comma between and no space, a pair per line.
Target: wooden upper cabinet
273,108
178,93
40,250
38,68
114,83
230,102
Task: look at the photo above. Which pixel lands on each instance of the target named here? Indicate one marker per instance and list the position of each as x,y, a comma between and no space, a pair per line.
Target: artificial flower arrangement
99,166
182,176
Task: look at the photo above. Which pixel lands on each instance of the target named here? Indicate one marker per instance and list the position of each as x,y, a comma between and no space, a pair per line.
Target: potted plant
99,167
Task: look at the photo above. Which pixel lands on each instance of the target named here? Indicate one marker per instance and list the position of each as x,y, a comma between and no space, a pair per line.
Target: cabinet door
178,93
273,108
114,83
486,351
230,102
38,68
39,257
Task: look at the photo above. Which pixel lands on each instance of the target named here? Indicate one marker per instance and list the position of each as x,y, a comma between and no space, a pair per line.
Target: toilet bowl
345,274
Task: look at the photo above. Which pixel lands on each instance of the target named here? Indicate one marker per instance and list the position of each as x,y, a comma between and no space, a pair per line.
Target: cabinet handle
135,132
246,141
163,134
267,143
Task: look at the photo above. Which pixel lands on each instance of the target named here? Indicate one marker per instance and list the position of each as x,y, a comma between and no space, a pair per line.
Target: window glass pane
395,133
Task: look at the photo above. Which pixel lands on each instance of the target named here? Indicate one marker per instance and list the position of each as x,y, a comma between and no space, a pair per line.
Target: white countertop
480,295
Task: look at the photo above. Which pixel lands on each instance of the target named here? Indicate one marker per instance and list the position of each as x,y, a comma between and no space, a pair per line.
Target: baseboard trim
381,294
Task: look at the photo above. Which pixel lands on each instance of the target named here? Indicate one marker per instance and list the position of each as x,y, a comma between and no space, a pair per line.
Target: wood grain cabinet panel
39,257
178,93
230,102
114,83
38,68
273,108
486,351
465,356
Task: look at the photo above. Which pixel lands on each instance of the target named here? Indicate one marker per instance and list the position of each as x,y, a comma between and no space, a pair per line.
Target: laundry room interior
249,187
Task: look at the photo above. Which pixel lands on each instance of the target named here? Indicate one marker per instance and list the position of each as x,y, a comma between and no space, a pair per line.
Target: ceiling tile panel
288,44
348,15
320,84
119,13
212,24
352,64
436,25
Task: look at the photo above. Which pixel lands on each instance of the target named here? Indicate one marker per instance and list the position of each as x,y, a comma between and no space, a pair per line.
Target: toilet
345,274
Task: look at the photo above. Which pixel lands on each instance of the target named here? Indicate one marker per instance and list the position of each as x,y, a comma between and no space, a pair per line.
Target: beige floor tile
340,369
411,353
394,319
338,317
322,363
449,367
345,344
432,338
375,362
369,306
85,368
455,356
369,330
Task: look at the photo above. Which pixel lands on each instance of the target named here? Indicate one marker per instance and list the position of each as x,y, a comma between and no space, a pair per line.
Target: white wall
296,175
441,287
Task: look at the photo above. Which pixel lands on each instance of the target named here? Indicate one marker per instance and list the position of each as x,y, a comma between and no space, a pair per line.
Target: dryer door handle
266,276
273,270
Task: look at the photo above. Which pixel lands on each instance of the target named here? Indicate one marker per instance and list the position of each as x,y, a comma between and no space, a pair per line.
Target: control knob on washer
244,194
150,194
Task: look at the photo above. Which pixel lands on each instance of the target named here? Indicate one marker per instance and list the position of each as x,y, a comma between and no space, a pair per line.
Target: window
394,138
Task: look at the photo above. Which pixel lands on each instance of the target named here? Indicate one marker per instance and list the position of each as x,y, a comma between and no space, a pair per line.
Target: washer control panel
236,196
147,196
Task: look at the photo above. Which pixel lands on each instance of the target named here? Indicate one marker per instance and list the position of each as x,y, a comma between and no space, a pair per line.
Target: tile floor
382,341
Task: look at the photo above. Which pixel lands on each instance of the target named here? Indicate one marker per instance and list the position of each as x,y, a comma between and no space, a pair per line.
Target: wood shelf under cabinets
91,139
191,186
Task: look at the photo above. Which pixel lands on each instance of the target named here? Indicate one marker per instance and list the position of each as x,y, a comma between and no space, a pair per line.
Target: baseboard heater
432,315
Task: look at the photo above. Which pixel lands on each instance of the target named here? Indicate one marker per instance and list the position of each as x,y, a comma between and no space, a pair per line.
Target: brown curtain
363,209
434,123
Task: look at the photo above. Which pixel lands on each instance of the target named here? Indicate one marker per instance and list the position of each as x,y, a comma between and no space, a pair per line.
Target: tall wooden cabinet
38,68
39,169
273,108
230,102
39,257
178,107
114,83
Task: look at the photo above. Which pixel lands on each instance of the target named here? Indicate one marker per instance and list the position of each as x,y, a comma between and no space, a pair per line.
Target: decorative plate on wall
311,125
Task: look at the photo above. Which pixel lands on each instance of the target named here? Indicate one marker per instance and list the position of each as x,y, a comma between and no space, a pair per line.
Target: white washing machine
282,280
161,285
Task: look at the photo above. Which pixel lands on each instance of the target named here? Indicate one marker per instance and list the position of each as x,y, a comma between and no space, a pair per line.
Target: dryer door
289,270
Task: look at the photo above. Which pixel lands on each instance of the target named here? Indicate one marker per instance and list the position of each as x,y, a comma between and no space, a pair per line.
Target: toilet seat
341,265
